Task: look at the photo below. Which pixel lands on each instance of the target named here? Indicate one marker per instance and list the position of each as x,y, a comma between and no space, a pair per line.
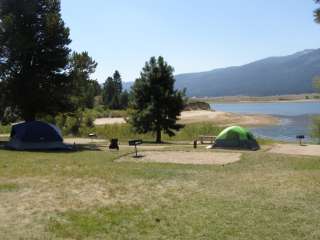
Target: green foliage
317,13
315,128
124,99
112,95
5,129
34,56
84,90
156,103
125,132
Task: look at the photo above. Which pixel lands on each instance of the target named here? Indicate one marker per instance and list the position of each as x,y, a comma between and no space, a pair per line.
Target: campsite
113,126
171,191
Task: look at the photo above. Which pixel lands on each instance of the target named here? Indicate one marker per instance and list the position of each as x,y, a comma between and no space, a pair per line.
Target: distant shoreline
312,97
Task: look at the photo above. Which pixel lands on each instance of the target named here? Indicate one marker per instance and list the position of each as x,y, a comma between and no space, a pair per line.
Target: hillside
291,74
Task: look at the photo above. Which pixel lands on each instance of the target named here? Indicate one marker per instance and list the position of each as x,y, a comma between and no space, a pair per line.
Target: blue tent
36,135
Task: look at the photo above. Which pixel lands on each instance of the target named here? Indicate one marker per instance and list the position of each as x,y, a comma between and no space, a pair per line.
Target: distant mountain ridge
292,74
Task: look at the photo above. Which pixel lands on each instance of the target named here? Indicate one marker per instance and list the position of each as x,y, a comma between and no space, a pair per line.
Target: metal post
135,146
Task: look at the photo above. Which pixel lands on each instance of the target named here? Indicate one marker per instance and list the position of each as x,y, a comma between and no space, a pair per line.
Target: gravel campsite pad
294,149
201,158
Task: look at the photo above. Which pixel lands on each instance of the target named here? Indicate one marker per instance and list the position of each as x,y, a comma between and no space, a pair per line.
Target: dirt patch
224,118
83,140
109,121
196,158
292,149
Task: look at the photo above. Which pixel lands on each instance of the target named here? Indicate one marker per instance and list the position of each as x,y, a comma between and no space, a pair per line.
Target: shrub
315,129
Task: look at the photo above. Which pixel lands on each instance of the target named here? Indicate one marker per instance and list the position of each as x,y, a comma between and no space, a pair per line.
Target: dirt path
294,149
179,157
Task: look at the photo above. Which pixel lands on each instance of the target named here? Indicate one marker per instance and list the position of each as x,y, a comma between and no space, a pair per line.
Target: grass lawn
88,195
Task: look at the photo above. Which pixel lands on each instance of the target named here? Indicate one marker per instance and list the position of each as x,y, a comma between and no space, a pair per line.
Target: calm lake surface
296,117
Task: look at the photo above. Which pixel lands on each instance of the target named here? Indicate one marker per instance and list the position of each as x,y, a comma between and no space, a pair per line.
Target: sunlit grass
264,196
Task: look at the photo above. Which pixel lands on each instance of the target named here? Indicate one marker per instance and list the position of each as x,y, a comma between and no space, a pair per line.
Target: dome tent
236,137
36,135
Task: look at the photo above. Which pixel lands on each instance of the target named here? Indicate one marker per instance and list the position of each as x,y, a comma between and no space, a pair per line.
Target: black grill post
300,138
135,143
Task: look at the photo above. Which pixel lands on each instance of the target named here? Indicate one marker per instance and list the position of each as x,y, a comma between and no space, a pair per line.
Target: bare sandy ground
224,118
179,157
292,149
108,121
220,118
83,140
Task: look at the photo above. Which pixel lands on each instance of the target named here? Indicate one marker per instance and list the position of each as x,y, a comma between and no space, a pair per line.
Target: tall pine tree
83,88
156,103
34,55
112,92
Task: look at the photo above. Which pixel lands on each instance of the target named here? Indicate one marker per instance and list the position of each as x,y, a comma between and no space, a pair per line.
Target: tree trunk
158,140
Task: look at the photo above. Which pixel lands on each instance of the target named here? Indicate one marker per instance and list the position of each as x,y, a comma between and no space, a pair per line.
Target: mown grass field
88,195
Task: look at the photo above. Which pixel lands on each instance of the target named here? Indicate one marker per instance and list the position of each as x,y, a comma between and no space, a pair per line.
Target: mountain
291,74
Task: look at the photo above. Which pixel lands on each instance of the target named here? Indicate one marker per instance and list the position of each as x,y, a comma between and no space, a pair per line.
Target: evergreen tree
117,82
124,99
317,13
83,88
112,91
108,92
34,55
156,103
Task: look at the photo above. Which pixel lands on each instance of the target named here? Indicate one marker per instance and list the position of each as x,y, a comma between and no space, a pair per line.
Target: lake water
296,117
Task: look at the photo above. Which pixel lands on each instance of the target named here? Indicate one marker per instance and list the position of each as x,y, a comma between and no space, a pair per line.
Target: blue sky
192,35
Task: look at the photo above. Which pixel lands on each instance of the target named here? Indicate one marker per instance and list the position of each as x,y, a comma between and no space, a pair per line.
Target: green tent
236,137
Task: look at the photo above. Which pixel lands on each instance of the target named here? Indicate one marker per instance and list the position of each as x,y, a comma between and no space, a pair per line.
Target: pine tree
108,92
112,91
34,56
317,13
83,88
156,103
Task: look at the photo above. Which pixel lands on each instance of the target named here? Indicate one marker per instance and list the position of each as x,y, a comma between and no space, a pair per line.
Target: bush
315,129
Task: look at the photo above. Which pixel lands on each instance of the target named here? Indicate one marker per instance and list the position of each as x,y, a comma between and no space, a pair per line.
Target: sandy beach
219,118
224,118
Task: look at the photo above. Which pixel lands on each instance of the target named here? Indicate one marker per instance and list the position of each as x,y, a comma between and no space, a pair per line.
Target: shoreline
307,97
215,117
226,118
267,101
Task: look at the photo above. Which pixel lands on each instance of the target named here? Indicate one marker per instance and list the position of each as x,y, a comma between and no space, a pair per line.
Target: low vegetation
197,105
125,132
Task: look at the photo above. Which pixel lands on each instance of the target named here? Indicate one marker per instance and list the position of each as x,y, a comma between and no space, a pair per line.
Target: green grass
125,132
264,196
8,187
5,129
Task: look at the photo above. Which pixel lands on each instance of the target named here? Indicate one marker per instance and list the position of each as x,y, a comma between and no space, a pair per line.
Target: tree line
40,75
